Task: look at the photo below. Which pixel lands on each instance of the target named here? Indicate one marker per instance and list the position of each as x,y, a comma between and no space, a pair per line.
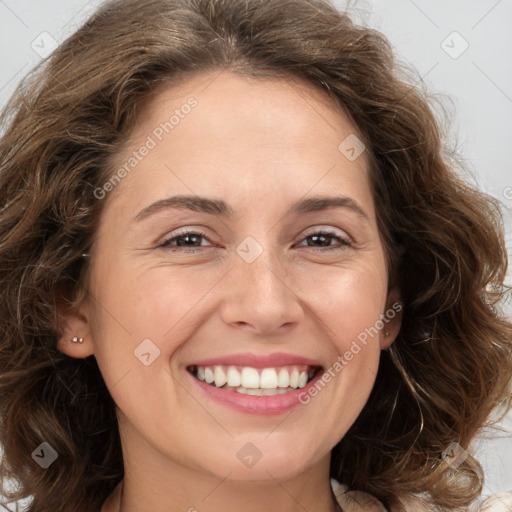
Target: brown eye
323,238
187,241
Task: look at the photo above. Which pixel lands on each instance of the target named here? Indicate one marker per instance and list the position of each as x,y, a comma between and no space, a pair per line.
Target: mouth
248,380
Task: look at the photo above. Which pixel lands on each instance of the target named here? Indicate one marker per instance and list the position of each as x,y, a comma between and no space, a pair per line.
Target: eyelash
345,242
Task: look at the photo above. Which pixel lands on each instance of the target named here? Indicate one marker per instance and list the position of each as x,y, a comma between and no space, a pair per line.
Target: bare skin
260,145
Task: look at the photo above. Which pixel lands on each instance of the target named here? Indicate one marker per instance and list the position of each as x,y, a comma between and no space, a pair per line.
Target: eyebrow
220,207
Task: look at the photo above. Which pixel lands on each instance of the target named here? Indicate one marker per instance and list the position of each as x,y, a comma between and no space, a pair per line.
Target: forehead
228,100
254,135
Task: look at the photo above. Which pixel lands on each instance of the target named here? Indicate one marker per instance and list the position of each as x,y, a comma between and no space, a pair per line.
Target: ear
73,322
392,319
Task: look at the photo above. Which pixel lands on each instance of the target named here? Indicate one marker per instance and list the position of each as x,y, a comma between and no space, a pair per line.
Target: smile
255,381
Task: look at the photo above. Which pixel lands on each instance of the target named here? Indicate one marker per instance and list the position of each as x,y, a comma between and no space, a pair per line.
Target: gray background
471,69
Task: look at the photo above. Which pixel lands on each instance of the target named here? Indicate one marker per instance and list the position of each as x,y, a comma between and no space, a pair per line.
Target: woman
239,271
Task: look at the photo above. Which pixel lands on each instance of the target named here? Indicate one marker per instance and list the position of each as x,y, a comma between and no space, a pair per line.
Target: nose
260,297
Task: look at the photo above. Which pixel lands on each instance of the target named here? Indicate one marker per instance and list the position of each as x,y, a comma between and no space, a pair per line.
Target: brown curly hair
451,363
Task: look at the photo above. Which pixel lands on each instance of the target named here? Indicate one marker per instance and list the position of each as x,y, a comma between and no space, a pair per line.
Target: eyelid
193,230
328,229
200,230
341,235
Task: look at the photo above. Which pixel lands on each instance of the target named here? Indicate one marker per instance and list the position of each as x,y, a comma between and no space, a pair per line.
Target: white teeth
294,378
208,375
220,376
268,379
253,381
233,377
283,380
250,378
257,392
262,392
303,379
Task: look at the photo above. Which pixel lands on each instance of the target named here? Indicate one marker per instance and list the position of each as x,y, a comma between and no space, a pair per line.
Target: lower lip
251,404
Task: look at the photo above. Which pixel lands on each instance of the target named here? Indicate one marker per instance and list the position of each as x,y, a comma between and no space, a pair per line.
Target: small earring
386,333
76,339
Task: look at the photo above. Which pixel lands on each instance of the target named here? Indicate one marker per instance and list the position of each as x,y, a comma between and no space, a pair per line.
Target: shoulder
501,502
358,501
355,501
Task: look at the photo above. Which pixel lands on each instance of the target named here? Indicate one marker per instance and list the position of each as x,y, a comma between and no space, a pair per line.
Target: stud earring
386,333
76,339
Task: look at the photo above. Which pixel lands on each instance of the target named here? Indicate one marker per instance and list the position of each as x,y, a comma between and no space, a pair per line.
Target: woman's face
255,293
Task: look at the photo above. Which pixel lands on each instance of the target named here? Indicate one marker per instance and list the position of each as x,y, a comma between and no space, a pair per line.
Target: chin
263,460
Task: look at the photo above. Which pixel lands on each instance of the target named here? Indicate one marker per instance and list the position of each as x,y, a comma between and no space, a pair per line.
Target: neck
156,482
186,490
118,502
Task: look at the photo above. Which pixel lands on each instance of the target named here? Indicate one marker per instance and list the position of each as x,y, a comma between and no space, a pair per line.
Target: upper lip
257,360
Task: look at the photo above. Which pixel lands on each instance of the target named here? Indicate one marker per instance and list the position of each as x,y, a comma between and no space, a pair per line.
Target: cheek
164,304
350,307
156,310
137,327
143,311
149,303
349,302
